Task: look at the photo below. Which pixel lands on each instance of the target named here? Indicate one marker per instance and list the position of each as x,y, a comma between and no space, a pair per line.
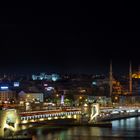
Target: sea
123,129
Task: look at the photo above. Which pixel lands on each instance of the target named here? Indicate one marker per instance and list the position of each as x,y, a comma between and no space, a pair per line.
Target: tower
130,78
110,78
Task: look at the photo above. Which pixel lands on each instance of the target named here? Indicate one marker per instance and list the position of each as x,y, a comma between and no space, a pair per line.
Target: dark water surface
124,129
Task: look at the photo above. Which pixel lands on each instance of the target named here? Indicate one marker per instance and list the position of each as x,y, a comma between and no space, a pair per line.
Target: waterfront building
31,96
7,95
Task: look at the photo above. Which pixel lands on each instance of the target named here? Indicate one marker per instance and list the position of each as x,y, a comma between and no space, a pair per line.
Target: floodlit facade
43,76
30,97
7,95
136,75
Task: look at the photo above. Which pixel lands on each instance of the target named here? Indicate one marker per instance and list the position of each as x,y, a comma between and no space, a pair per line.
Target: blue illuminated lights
94,83
43,76
49,88
16,84
4,87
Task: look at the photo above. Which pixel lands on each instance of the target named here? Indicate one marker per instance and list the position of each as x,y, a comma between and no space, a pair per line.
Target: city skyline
70,71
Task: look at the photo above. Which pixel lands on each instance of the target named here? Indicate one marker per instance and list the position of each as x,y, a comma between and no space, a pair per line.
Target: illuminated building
43,76
117,88
16,84
136,75
30,97
136,82
6,95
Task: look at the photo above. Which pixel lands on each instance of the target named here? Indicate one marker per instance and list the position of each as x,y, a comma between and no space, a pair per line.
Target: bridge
11,119
37,116
108,114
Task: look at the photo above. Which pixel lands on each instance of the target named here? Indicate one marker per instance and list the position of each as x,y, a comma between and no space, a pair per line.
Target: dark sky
74,39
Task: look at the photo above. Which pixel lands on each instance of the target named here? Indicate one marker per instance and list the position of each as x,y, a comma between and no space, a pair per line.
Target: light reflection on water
121,129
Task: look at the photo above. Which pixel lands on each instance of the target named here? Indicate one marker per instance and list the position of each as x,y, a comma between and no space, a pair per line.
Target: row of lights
49,115
117,112
49,118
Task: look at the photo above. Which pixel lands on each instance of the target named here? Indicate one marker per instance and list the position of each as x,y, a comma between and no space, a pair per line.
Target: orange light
80,97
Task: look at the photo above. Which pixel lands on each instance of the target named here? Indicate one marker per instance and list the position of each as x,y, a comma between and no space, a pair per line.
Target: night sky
78,39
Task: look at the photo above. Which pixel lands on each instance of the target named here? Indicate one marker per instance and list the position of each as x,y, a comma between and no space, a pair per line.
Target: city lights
4,87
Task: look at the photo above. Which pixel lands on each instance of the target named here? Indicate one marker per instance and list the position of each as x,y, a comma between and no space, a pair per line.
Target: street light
80,97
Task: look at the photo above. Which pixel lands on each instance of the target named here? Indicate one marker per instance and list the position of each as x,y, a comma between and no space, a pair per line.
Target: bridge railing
51,111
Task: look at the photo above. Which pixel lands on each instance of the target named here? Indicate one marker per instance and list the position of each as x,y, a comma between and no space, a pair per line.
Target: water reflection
122,129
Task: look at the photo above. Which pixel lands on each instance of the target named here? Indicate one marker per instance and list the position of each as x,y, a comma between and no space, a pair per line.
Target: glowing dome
136,75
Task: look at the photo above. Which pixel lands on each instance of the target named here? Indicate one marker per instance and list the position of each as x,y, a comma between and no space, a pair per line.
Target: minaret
110,78
139,69
130,78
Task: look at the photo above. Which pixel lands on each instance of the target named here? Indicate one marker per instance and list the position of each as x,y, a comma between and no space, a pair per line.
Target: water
124,129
